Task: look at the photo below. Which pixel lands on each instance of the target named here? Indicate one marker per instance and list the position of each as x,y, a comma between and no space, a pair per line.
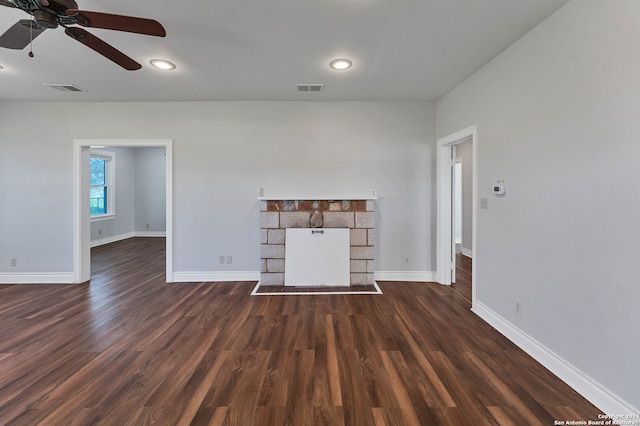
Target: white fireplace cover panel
317,257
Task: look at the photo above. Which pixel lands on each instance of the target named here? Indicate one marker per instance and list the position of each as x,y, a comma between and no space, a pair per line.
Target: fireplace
280,213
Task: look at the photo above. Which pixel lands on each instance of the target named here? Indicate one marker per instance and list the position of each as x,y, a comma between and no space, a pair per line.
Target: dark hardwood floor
462,285
129,349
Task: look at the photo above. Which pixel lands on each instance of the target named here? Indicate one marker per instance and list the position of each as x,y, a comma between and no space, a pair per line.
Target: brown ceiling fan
65,13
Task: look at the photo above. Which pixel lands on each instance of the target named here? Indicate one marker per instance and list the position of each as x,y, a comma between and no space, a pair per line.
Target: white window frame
110,182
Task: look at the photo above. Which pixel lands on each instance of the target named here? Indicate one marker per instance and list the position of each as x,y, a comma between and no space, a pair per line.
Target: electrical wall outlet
518,307
406,260
229,259
14,262
221,260
99,231
484,203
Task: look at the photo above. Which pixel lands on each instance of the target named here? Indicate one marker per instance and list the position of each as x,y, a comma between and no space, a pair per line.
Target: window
102,196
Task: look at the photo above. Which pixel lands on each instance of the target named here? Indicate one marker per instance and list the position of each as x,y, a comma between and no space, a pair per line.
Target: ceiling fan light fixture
340,64
45,19
162,64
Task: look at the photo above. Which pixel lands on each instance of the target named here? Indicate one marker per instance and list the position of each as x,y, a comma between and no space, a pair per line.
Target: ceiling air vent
310,88
64,87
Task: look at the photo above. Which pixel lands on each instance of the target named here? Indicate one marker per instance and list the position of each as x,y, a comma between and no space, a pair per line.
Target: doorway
81,215
446,247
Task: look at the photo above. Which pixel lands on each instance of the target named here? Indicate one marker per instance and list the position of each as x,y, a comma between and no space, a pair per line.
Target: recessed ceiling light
162,64
340,64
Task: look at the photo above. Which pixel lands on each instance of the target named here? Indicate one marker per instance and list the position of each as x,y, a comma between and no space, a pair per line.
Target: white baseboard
150,234
467,252
112,239
36,278
591,390
67,277
198,276
412,276
120,237
193,276
213,276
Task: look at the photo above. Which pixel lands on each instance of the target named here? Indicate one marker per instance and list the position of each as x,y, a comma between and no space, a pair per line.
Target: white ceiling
259,50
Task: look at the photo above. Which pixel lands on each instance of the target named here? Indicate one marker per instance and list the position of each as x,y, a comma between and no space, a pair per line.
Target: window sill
97,218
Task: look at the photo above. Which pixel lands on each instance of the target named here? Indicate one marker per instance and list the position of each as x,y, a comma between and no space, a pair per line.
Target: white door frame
81,216
445,248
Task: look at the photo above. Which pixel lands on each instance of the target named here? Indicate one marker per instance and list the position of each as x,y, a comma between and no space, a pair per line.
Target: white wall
557,119
224,152
150,184
457,202
34,224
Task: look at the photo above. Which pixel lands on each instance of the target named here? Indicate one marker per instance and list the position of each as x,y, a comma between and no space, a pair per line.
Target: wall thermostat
499,188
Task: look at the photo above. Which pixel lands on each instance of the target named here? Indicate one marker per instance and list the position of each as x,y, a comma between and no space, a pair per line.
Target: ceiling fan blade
118,22
102,48
20,34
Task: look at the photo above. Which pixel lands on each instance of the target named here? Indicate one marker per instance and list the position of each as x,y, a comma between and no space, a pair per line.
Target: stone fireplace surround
279,213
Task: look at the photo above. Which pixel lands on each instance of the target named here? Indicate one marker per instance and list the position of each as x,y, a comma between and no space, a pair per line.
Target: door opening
446,232
81,219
